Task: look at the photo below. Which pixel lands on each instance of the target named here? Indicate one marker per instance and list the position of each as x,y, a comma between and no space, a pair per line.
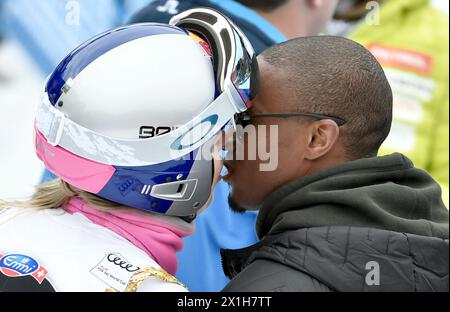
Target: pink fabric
80,172
160,240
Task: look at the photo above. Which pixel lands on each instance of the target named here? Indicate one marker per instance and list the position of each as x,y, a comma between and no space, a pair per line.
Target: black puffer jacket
375,224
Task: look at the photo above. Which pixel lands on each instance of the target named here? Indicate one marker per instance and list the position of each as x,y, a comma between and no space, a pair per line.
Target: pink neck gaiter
160,239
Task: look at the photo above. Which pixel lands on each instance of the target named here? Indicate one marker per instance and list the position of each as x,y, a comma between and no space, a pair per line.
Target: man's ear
323,135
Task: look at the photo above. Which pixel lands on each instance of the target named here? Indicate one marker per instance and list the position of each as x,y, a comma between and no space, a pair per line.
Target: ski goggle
234,58
237,83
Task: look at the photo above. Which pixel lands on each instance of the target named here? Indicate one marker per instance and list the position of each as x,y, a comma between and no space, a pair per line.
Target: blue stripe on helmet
86,53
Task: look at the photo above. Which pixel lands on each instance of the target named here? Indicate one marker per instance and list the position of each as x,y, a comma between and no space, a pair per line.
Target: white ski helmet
127,114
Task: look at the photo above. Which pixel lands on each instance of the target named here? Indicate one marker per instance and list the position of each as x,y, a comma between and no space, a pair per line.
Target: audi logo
122,263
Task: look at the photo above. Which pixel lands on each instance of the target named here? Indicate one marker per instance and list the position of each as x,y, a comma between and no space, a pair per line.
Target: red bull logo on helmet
205,46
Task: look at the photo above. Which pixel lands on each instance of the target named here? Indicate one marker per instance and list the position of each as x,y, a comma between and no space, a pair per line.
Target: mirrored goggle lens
245,76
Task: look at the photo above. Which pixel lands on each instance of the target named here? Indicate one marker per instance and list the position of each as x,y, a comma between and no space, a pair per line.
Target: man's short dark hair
264,5
338,77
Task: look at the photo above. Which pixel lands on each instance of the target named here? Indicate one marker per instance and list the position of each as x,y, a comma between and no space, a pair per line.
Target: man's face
250,184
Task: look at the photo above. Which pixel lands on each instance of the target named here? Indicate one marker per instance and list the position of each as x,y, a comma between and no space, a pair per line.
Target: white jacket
55,250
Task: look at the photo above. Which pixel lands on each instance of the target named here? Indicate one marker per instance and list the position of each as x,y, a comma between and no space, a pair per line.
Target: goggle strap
60,130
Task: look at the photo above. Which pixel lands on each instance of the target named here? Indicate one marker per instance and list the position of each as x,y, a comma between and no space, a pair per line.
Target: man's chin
234,206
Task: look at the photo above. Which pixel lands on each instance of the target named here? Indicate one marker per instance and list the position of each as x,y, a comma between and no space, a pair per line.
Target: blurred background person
20,81
410,38
265,23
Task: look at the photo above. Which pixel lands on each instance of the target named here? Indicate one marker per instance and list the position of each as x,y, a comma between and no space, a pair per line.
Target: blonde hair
56,193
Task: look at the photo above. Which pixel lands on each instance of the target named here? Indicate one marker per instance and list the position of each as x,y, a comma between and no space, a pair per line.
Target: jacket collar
379,192
235,260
